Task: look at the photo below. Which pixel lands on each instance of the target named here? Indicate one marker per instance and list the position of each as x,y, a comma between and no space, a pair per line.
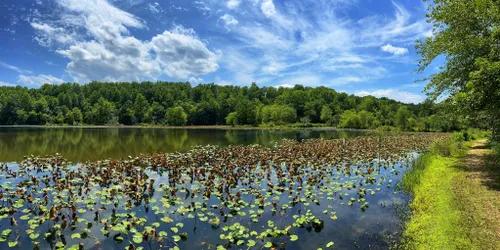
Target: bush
446,148
476,134
461,136
386,128
176,116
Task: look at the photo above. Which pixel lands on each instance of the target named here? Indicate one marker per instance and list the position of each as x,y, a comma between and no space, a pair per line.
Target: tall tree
176,116
326,114
467,34
141,106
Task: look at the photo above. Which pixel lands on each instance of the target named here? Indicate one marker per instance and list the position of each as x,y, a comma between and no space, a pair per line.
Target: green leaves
251,243
6,232
294,237
118,238
330,244
34,236
13,243
137,238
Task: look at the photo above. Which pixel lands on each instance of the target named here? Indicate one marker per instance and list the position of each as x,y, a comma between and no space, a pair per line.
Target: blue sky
362,47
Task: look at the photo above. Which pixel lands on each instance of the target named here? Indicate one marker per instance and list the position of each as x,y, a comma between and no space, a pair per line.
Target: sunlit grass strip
436,221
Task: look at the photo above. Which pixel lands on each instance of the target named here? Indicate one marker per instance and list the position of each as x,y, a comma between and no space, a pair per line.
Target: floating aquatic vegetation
250,196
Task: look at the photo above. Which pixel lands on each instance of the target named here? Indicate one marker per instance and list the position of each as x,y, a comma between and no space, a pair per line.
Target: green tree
59,119
232,119
126,114
467,33
210,104
103,111
70,119
326,114
77,115
155,114
349,119
402,117
22,116
367,119
141,106
176,116
278,114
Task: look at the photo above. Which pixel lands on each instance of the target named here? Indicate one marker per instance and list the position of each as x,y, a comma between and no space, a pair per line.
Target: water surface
83,144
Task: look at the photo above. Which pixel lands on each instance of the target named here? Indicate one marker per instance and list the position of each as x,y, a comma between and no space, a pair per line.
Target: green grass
453,205
436,221
413,177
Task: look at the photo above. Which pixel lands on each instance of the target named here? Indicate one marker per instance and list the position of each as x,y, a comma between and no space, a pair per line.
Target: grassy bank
448,208
436,219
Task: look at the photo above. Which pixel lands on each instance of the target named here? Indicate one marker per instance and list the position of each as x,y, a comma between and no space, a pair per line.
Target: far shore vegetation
181,104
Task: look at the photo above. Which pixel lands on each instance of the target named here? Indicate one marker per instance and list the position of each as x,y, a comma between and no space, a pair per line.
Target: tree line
178,103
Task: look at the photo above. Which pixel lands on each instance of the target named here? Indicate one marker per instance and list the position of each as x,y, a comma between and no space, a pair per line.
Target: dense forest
176,104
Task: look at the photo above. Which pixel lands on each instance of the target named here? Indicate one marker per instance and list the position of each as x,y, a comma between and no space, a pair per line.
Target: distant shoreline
215,127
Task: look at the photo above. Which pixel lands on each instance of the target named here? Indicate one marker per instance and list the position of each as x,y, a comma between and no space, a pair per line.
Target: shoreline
194,127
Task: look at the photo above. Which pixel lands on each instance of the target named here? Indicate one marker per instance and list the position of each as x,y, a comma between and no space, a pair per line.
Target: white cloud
39,80
229,20
195,80
270,41
155,7
268,8
397,51
7,84
330,44
104,49
47,36
288,86
14,68
233,4
182,54
395,94
380,30
203,8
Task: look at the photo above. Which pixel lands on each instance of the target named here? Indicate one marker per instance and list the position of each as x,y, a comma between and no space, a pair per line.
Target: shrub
461,136
446,148
475,134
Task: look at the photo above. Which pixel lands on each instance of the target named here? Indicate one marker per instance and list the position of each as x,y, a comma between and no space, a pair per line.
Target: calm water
83,144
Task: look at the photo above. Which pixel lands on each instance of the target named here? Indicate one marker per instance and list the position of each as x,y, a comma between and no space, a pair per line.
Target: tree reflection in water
83,144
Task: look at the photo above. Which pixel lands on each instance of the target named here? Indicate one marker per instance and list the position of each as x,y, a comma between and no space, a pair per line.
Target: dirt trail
478,191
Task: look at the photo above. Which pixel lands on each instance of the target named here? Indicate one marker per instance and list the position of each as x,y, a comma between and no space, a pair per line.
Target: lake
83,144
202,198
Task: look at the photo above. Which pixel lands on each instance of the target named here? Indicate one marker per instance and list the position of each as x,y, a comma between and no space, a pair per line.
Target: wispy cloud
329,44
229,20
36,81
14,68
395,94
233,4
239,41
7,84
